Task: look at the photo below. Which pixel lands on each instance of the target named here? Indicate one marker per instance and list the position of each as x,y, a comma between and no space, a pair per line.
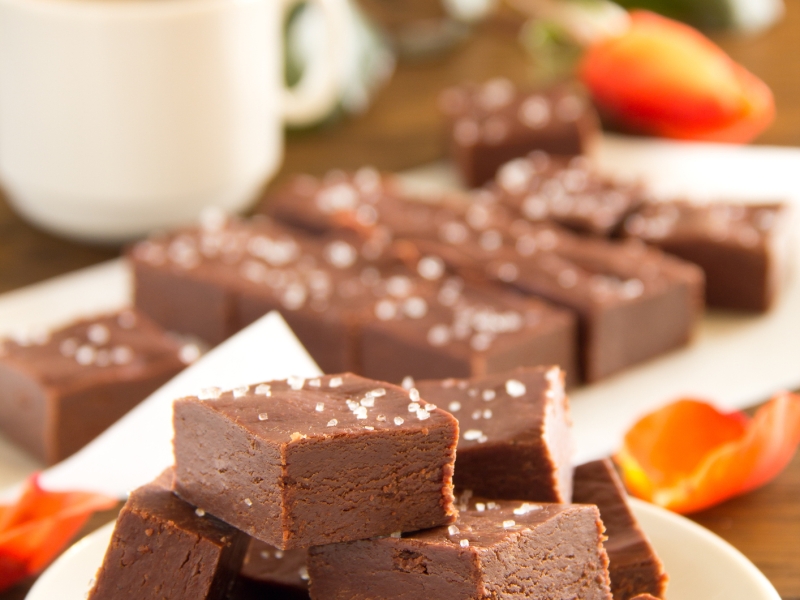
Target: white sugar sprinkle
333,423
527,507
248,502
369,428
263,416
369,401
398,420
482,439
189,353
508,524
122,355
472,434
319,407
377,392
264,554
68,347
303,572
423,414
408,382
515,388
199,512
454,406
209,393
464,543
263,390
487,413
491,505
296,383
314,383
413,394
360,412
98,334
480,506
413,407
430,407
476,414
335,382
396,534
278,554
488,395
453,530
380,418
85,355
241,392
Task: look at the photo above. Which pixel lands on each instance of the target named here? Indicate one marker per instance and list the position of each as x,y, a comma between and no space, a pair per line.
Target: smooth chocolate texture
59,390
634,566
571,192
304,462
490,124
162,547
437,326
742,248
515,433
511,550
633,302
268,572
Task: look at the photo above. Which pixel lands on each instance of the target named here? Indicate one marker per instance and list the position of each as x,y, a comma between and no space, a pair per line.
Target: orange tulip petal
665,78
38,526
688,456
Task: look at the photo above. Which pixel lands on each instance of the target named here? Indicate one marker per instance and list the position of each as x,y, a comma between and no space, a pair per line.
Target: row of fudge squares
742,248
60,389
466,300
361,472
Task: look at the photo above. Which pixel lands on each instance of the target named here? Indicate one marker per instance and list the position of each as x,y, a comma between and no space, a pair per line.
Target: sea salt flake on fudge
61,389
742,248
555,553
634,565
306,477
490,124
522,447
163,548
268,572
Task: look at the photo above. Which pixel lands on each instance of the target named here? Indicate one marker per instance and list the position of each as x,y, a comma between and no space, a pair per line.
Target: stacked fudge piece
345,486
60,389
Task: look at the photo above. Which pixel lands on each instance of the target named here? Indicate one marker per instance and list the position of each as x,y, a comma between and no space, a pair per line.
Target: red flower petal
38,526
665,78
688,456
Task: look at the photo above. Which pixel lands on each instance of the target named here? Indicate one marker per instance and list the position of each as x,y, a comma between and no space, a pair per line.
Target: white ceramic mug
118,117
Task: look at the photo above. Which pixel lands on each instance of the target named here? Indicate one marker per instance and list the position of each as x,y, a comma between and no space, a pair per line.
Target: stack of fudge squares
344,487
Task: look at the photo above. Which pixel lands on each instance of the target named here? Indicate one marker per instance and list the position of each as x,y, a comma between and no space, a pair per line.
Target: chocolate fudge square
268,572
300,462
163,547
742,248
516,433
440,326
492,123
511,550
59,390
570,192
634,566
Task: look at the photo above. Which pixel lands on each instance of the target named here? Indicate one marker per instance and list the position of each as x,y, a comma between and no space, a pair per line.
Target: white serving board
735,360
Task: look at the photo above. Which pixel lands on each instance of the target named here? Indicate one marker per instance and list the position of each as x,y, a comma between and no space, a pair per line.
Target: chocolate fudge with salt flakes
633,302
490,124
742,248
511,550
300,462
435,326
569,192
268,572
162,547
515,433
634,565
61,389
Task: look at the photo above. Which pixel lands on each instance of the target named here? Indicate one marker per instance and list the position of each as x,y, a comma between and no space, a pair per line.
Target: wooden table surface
401,130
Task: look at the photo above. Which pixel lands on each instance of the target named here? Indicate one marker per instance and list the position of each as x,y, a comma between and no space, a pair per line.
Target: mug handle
318,89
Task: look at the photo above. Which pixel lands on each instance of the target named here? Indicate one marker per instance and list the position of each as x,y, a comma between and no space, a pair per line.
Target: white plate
701,566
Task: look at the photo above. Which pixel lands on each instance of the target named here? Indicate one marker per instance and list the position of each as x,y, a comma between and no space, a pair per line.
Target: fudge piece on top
742,248
634,566
301,462
633,302
431,325
570,192
59,390
496,549
268,572
163,547
490,124
516,433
